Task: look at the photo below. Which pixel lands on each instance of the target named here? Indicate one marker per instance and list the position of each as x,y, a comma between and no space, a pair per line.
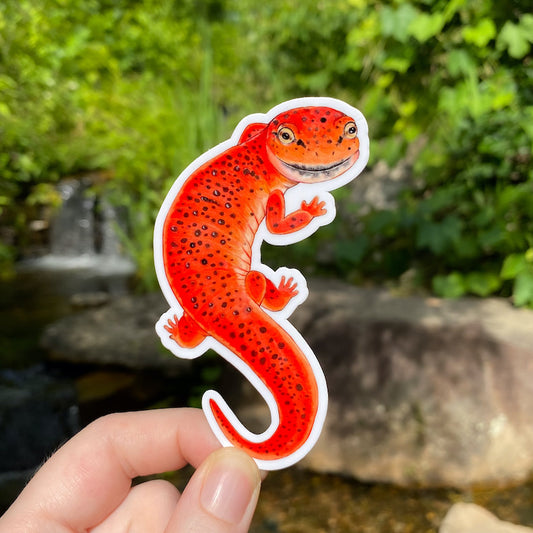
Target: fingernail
230,485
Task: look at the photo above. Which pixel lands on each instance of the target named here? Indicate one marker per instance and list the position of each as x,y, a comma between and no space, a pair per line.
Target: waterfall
72,231
83,233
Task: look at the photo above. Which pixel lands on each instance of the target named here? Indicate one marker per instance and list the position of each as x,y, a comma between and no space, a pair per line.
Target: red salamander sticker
269,182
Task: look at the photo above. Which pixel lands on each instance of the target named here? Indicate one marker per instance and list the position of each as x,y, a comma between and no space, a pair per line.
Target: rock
83,300
423,392
470,518
120,333
380,186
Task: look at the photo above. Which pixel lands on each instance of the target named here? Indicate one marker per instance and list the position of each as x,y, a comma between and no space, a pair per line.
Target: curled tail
282,367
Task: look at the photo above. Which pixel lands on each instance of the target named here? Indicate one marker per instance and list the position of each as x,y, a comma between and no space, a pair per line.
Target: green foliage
139,89
121,87
459,75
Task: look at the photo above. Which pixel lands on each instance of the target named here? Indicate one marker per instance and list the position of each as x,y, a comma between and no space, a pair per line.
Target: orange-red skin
208,236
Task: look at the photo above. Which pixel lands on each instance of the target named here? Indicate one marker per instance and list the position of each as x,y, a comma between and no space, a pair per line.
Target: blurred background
103,103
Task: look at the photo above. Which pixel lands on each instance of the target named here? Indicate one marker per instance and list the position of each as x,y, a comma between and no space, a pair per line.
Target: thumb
220,497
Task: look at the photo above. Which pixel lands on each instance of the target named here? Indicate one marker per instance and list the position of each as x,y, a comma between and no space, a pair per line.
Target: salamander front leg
280,223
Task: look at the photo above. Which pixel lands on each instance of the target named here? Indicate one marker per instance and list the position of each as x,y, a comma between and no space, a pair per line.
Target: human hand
86,485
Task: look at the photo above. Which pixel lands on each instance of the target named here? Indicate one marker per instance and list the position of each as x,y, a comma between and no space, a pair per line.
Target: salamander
207,245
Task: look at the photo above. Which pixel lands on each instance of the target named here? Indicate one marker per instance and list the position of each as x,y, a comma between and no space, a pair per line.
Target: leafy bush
457,74
122,87
139,89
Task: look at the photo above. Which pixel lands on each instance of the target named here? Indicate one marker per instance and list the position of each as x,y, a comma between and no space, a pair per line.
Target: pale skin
86,486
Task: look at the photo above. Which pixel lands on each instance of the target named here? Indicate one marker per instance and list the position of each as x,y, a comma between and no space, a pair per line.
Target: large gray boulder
121,333
423,391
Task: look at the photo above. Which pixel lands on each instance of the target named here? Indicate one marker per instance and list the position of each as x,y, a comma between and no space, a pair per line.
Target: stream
45,402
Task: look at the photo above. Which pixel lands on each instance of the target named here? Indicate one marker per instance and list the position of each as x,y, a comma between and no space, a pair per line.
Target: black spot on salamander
301,143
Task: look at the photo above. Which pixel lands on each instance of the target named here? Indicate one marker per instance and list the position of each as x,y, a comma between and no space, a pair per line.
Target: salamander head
312,144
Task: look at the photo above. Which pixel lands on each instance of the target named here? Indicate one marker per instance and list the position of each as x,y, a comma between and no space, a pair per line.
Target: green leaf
395,22
352,251
491,237
480,34
513,265
526,24
425,26
482,283
439,236
523,288
398,64
450,286
514,38
460,62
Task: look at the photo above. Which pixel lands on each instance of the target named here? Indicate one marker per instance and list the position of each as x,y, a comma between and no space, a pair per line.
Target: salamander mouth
318,172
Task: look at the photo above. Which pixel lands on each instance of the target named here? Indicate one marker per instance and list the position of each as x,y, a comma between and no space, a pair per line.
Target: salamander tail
286,373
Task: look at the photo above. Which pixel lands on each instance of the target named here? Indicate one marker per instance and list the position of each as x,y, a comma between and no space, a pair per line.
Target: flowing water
83,234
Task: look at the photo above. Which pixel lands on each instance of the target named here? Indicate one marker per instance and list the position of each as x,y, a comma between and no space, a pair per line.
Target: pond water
36,297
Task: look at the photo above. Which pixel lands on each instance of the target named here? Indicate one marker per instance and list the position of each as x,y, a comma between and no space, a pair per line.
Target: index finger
91,474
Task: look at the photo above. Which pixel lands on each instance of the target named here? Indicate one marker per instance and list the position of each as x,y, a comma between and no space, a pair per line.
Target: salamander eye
350,130
286,135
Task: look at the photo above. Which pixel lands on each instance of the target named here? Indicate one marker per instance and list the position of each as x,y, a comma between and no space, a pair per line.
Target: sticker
269,182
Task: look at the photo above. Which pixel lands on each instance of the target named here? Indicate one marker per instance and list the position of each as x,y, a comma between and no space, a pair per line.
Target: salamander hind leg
276,298
265,293
256,286
185,331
